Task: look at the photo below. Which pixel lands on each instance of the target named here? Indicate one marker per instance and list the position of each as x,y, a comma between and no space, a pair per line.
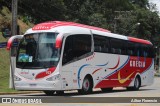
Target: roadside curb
21,92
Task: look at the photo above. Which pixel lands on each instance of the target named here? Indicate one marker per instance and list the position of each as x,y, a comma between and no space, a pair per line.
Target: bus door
67,64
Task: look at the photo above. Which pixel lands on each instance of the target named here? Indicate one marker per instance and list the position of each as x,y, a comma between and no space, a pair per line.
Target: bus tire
49,93
137,84
87,86
106,89
59,92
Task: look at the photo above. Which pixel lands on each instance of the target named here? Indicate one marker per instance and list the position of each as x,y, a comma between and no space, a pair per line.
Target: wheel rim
86,85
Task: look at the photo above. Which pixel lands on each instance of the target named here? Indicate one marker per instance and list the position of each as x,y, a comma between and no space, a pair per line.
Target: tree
140,3
43,10
100,13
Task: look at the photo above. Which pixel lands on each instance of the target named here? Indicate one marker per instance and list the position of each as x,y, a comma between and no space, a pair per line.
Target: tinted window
68,50
130,49
76,46
118,46
143,50
101,44
150,51
138,49
133,49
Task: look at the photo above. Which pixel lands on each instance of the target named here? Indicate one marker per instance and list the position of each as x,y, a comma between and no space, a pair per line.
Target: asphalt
29,92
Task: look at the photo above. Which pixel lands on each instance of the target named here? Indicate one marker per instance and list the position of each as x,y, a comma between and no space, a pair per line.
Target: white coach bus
57,56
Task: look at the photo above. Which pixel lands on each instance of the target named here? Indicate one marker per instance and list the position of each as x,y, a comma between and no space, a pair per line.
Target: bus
57,56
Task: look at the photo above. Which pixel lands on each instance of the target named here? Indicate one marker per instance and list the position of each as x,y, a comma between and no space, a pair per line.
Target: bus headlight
17,78
53,78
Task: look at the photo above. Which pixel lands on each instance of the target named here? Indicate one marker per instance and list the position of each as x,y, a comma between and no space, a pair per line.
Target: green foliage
140,3
148,27
4,68
101,13
42,10
5,17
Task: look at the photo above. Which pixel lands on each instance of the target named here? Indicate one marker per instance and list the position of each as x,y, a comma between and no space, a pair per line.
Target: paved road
148,91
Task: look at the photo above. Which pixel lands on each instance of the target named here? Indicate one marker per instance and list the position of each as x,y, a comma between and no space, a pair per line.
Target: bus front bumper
37,85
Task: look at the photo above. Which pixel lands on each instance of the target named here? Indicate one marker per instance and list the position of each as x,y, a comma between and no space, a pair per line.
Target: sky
157,2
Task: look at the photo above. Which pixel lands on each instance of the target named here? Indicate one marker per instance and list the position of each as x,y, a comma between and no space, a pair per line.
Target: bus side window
81,45
150,51
68,50
118,46
136,51
131,49
75,47
143,50
101,44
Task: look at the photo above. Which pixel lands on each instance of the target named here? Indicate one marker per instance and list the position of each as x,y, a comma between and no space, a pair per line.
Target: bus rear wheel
59,92
86,86
49,93
137,84
106,89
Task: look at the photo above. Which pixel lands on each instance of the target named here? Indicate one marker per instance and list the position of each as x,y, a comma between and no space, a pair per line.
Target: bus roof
139,40
53,24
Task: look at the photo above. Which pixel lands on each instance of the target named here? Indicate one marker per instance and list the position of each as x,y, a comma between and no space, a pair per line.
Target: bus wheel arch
87,85
137,83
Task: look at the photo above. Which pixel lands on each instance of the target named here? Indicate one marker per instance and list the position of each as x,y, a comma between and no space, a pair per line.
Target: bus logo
123,80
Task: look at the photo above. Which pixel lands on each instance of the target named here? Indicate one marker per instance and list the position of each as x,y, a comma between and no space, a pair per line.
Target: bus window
133,49
81,45
68,50
101,44
118,46
143,50
75,47
150,51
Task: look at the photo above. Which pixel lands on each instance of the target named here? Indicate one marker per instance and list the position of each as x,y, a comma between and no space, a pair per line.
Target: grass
4,68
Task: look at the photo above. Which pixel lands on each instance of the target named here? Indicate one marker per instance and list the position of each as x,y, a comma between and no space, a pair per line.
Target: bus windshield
37,50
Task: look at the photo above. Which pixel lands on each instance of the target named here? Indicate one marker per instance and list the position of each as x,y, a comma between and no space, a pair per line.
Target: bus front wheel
49,93
86,86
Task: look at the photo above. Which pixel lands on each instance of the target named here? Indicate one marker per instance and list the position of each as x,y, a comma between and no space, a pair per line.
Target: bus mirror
58,41
6,32
11,40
